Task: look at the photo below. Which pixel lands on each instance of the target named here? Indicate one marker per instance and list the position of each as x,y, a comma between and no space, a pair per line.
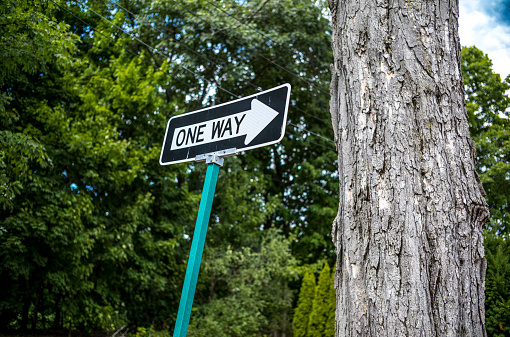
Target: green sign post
197,248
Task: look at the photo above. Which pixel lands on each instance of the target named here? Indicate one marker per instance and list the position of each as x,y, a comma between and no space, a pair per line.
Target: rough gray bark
409,227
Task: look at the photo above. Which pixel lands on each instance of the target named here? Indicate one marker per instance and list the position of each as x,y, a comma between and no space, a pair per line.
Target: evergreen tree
497,291
330,323
305,304
320,310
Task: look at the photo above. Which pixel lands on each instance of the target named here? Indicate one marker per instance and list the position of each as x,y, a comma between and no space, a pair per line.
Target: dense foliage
94,233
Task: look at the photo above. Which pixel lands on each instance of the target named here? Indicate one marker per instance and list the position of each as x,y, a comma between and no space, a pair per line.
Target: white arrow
258,118
249,123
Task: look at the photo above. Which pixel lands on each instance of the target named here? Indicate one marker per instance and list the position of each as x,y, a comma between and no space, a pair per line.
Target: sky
486,24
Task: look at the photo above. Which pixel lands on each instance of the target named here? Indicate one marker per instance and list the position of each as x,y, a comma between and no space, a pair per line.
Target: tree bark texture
409,228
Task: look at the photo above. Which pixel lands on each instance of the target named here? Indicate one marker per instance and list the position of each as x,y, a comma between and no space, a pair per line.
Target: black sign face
244,124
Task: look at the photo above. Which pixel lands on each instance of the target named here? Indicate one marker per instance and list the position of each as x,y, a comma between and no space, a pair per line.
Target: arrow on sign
249,123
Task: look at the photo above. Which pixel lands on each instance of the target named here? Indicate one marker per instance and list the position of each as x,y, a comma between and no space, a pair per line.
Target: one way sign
244,124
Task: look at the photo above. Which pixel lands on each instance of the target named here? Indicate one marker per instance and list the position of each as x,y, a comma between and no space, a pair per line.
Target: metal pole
197,248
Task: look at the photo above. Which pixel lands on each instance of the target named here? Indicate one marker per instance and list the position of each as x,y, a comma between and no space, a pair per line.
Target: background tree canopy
95,234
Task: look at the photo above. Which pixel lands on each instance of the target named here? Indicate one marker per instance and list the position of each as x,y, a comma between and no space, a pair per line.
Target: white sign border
284,124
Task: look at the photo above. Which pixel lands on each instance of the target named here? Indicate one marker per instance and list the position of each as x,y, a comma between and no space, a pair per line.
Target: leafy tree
292,33
31,63
321,305
139,205
32,41
489,117
27,51
304,305
95,221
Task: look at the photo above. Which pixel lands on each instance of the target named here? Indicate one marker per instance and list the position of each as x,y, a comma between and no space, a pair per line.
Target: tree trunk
56,321
36,310
41,310
24,313
409,228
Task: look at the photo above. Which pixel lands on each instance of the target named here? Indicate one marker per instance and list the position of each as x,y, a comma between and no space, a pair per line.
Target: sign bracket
216,157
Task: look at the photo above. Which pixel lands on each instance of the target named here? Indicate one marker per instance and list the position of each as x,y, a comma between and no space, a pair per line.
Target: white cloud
483,31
